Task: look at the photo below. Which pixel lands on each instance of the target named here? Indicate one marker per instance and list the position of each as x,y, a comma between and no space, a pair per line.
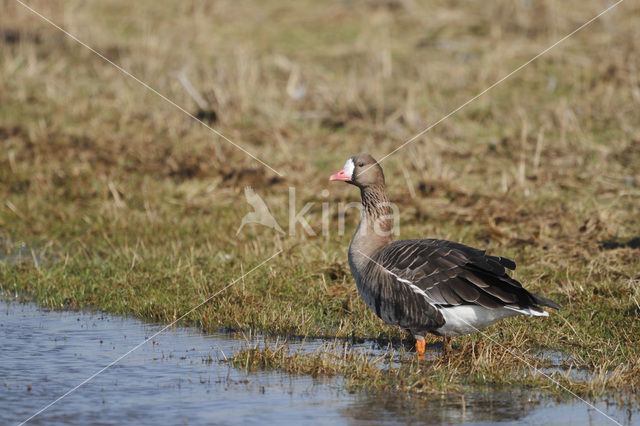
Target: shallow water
44,353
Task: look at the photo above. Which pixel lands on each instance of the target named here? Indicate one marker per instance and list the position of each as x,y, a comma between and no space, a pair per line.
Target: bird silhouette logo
261,213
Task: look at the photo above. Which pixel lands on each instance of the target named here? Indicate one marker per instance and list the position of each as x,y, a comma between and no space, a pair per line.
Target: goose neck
375,228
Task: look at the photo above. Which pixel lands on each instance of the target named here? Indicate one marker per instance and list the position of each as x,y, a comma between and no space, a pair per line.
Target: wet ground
177,378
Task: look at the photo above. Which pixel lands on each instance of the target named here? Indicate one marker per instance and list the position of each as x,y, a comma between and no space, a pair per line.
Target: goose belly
467,319
370,300
378,305
395,310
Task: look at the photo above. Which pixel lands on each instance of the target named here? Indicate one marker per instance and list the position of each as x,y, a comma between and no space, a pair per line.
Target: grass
115,200
466,369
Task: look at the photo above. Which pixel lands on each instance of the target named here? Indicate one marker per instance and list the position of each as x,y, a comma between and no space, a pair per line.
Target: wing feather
454,274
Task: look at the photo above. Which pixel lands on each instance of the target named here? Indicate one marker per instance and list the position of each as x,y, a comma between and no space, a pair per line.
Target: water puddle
177,379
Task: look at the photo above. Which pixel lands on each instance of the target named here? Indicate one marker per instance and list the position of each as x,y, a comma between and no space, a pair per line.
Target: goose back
412,283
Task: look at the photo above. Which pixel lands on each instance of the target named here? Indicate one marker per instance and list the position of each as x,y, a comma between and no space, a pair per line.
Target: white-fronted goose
433,286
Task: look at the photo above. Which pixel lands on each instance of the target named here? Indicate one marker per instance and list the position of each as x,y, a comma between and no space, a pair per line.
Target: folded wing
452,274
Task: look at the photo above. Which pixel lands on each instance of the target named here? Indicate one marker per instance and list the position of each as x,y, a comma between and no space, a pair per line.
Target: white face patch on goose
348,168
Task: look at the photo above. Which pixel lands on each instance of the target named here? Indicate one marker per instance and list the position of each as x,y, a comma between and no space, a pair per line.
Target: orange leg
420,345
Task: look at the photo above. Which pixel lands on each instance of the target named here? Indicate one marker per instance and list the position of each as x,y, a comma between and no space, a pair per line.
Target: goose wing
452,274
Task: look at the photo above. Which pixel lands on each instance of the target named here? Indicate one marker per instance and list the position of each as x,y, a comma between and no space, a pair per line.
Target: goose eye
360,164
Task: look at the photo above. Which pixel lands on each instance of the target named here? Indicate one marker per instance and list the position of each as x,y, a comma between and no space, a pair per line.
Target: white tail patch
467,319
529,311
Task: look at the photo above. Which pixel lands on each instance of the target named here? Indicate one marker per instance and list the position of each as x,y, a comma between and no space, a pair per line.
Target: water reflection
177,379
476,407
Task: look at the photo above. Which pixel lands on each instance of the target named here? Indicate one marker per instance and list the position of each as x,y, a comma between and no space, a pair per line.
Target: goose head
361,170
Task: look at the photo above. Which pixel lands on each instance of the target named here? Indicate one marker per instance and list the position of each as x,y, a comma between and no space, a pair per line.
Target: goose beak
341,176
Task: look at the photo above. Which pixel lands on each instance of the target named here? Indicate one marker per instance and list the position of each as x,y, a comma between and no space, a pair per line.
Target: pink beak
341,175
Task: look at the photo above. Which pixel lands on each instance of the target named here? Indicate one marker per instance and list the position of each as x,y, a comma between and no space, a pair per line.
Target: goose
426,285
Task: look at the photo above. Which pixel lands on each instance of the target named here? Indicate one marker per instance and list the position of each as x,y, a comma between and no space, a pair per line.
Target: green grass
131,207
